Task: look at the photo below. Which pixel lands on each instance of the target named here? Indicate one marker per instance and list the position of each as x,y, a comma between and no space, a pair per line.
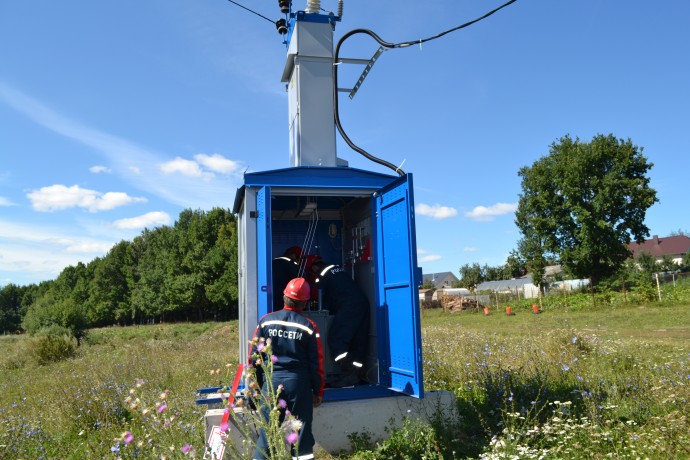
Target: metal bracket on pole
369,64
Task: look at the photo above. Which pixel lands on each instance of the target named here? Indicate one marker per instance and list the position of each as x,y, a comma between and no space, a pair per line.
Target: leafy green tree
471,276
150,293
685,264
110,287
532,249
10,301
514,266
679,232
666,264
585,201
428,284
647,263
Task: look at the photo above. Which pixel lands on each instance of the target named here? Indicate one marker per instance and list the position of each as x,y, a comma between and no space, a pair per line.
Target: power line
252,11
461,26
386,44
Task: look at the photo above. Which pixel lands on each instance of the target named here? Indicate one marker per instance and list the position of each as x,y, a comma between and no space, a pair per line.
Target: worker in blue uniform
284,269
297,353
348,335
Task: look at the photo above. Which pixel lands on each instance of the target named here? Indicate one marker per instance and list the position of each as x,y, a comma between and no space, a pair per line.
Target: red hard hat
298,289
296,250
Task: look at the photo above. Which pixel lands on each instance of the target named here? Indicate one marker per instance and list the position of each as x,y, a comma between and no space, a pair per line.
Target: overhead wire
389,45
252,11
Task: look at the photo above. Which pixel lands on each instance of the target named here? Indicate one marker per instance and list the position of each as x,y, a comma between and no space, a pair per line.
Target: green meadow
590,379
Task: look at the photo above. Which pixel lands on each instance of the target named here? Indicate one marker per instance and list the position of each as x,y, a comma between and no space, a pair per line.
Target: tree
471,276
428,284
10,300
685,263
585,201
666,264
514,266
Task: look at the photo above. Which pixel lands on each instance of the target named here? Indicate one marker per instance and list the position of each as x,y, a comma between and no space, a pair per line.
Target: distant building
442,280
525,288
674,246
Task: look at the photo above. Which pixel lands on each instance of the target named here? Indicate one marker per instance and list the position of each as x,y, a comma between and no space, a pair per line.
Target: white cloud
468,249
58,196
182,166
88,247
436,211
485,214
38,253
6,202
217,163
146,220
99,169
125,155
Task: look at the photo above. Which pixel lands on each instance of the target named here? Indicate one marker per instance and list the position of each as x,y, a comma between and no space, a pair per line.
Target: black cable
462,26
252,11
335,100
386,44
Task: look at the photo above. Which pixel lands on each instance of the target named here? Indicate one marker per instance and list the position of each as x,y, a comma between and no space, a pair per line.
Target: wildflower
162,407
282,403
127,437
291,425
565,367
139,382
164,395
186,449
575,339
292,438
274,359
224,427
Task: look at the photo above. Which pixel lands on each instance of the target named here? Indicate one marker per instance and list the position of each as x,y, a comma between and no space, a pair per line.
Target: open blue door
399,325
263,251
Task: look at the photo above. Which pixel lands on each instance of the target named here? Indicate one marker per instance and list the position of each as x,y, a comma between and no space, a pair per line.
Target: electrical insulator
284,6
340,8
281,25
313,6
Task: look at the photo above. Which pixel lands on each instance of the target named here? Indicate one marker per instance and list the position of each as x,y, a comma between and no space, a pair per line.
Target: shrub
51,346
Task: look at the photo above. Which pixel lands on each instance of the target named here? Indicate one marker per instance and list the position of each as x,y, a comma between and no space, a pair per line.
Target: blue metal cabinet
344,210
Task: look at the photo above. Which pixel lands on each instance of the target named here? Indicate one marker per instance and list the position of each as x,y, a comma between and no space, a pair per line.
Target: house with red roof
674,246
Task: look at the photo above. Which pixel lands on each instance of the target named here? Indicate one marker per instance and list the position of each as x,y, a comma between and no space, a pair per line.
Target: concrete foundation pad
334,421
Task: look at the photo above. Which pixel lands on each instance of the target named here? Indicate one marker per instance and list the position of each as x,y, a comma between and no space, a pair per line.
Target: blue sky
115,116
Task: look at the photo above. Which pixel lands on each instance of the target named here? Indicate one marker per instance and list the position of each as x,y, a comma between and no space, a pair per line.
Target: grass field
596,383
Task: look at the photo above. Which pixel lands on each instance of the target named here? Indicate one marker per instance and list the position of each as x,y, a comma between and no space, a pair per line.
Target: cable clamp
398,170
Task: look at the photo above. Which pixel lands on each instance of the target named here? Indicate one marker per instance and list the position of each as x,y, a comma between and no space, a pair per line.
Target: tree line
187,271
